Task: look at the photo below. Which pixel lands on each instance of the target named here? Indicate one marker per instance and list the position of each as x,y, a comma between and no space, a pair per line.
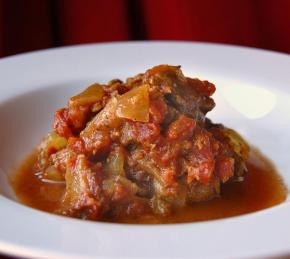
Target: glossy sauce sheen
262,188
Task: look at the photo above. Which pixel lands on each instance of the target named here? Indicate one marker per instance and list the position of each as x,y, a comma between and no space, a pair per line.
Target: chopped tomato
181,129
225,168
77,145
157,110
78,116
203,87
61,125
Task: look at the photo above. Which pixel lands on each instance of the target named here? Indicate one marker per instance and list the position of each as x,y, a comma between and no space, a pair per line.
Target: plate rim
130,43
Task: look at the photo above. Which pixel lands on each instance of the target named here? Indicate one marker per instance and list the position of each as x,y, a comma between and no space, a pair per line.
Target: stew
143,151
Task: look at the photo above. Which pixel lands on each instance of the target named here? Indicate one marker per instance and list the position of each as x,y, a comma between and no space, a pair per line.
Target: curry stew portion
142,151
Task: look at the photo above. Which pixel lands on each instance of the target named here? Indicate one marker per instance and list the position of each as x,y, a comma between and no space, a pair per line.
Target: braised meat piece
140,147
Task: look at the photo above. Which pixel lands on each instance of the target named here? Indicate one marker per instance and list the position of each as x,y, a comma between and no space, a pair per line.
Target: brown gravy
262,188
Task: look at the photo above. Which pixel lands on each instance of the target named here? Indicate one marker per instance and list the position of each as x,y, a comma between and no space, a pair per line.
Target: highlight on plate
140,151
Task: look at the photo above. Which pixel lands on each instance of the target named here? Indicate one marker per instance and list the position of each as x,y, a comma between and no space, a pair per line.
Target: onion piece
91,95
134,105
50,144
104,120
116,173
53,140
51,174
237,143
115,162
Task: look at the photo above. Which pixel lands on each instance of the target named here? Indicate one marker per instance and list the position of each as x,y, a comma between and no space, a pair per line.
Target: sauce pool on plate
261,188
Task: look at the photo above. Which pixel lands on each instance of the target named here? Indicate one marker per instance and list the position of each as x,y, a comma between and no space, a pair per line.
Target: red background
27,25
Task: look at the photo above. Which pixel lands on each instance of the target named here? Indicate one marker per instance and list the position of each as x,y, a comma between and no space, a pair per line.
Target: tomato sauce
262,188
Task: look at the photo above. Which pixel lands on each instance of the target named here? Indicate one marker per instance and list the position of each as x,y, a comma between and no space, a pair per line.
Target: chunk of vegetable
134,105
52,175
104,120
81,191
116,173
115,162
57,141
181,129
51,144
52,141
89,96
61,123
76,181
237,143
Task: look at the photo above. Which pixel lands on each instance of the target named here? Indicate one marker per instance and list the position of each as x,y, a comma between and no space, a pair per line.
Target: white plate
253,96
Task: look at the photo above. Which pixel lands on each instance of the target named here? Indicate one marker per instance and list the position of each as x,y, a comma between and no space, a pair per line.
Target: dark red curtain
27,25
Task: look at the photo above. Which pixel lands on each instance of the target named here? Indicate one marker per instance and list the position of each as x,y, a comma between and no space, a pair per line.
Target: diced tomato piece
157,110
98,142
201,172
139,132
208,88
225,168
168,175
78,116
203,87
77,145
202,158
205,171
51,150
165,152
147,131
61,125
120,192
181,129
